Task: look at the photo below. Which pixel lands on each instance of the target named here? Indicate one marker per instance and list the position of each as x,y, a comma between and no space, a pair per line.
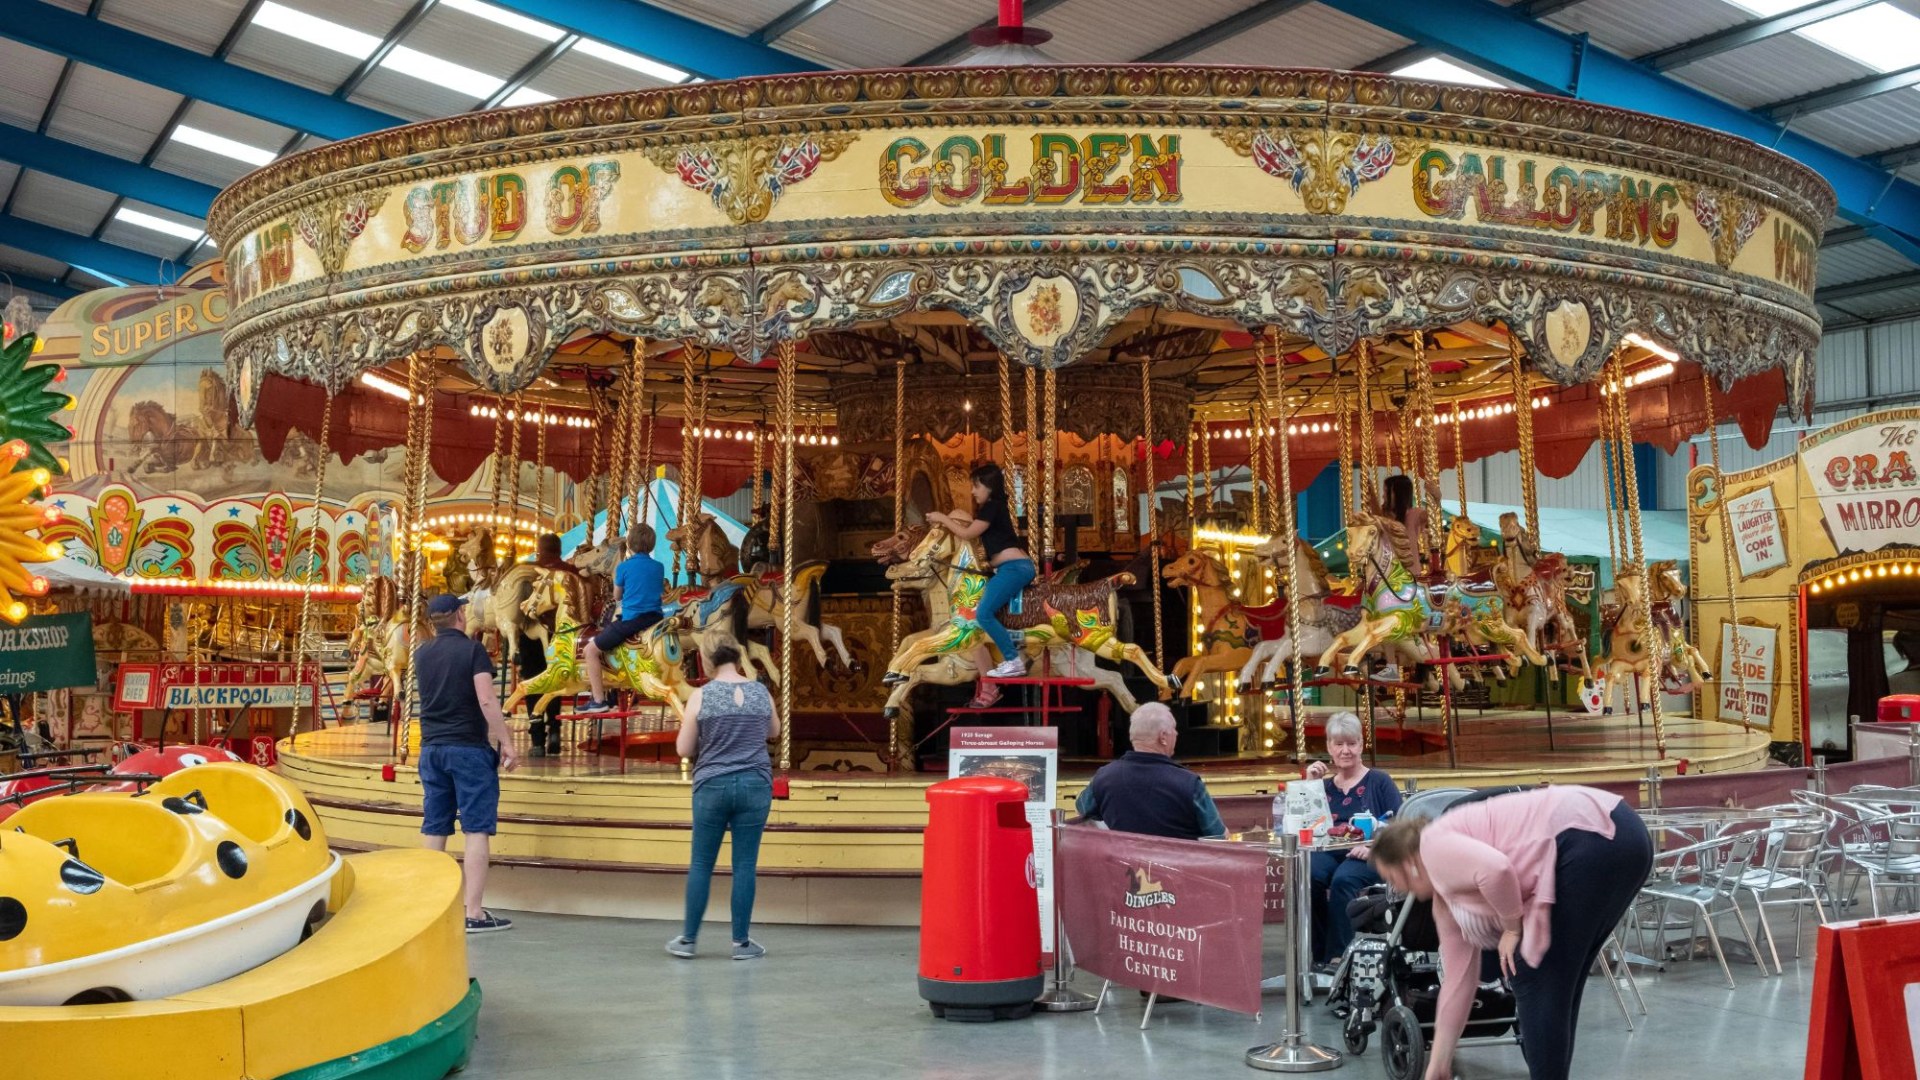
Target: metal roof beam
56,157
789,20
530,71
58,290
1833,294
1899,157
183,71
1844,94
1538,56
673,39
1848,234
1397,59
381,51
1540,9
1747,33
1208,36
954,47
84,251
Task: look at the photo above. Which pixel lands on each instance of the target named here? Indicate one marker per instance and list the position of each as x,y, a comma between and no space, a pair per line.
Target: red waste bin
1899,708
979,909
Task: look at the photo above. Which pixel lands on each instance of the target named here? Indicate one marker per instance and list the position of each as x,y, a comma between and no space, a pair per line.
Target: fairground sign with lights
1835,524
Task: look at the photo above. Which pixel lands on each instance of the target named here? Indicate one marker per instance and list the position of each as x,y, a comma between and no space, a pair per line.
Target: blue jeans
1337,879
737,803
1003,587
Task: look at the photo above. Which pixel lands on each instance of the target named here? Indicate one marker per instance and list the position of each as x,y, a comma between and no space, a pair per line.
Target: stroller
1389,977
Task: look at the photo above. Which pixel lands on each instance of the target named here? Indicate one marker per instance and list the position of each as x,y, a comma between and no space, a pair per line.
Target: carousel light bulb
16,611
55,550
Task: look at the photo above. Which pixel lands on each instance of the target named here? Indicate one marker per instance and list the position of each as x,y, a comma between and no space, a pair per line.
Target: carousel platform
577,836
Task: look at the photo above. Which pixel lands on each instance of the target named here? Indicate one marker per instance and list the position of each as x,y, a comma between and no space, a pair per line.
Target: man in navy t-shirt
1146,791
638,583
463,745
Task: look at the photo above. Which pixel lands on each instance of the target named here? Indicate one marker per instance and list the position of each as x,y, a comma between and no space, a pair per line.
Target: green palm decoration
28,408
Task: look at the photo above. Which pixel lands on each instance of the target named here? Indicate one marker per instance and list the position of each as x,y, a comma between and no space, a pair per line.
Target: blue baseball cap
445,604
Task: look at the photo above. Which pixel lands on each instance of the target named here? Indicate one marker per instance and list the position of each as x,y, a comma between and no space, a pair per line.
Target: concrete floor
595,999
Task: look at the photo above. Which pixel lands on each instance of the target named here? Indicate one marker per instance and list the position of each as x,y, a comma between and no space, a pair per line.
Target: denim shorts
458,777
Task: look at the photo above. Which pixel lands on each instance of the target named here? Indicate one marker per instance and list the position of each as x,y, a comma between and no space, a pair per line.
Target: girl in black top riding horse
1013,570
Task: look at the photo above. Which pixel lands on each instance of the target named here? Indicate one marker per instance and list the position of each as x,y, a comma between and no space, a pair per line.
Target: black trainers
487,923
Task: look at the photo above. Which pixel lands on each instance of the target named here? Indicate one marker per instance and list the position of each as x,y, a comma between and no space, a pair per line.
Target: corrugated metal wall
1861,369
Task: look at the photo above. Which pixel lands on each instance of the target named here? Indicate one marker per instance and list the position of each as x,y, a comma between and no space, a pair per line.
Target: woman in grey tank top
727,726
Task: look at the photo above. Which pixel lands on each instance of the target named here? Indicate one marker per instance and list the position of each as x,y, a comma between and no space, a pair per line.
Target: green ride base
428,1054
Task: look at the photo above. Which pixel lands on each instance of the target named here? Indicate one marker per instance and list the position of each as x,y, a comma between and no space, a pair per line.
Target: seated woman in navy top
1339,876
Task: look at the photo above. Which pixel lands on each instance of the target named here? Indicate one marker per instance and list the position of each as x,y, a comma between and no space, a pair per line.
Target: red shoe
985,696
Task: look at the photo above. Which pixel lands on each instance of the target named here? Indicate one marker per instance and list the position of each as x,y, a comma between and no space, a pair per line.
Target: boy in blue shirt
638,583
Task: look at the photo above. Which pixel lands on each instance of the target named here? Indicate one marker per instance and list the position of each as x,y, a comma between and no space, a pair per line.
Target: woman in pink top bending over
1542,876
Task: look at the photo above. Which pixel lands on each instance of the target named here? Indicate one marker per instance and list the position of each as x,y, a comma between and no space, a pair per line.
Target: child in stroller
1389,977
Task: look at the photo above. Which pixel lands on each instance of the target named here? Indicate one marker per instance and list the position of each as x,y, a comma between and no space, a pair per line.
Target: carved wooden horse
956,668
715,561
1394,607
1080,615
1320,621
1226,638
650,663
1684,669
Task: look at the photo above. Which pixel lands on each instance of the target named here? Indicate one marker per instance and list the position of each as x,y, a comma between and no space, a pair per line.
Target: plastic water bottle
1279,811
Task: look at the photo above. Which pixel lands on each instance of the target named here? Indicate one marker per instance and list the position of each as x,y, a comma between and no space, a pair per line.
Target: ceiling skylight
313,29
159,224
526,95
1881,36
503,17
401,59
631,61
1435,69
440,72
220,144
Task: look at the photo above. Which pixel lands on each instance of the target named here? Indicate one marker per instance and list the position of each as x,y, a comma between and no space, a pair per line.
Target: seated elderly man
1146,791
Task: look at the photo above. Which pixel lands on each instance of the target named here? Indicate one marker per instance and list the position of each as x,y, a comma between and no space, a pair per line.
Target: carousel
1167,301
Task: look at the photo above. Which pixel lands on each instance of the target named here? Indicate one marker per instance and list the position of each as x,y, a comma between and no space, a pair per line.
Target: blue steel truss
662,35
183,71
31,150
84,251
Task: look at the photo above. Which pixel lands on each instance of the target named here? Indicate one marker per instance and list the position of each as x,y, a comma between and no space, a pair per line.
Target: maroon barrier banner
1180,918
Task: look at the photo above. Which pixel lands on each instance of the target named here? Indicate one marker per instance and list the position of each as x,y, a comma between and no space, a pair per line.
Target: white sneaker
1390,673
1009,669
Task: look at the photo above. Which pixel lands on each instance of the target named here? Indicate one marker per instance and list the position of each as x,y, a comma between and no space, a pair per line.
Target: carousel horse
709,555
649,664
379,602
1534,587
503,610
477,550
1463,556
1048,614
716,562
957,668
721,613
1631,648
1685,669
1320,620
1226,636
1395,608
